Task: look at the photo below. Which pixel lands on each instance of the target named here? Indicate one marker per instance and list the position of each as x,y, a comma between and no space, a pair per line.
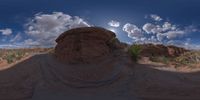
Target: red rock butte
84,45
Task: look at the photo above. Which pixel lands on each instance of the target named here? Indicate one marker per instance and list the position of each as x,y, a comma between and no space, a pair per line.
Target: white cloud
174,34
168,26
114,23
16,38
9,46
31,42
184,44
6,31
158,32
148,27
132,30
152,28
160,36
191,28
156,17
167,30
45,28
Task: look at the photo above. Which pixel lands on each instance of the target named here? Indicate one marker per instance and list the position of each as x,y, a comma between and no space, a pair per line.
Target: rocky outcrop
175,51
150,50
153,50
89,57
85,45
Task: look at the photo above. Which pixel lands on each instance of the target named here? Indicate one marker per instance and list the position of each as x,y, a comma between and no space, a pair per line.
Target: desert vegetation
13,55
162,59
189,58
168,55
134,51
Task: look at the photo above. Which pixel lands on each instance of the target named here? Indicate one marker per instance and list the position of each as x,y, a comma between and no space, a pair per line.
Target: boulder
84,45
89,57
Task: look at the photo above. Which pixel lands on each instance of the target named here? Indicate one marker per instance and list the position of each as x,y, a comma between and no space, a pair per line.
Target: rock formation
174,51
161,50
84,45
88,56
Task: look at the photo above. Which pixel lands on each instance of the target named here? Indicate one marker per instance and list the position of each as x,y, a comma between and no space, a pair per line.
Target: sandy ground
151,83
4,65
36,79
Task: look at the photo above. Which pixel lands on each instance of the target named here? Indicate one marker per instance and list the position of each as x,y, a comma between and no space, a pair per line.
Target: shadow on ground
27,81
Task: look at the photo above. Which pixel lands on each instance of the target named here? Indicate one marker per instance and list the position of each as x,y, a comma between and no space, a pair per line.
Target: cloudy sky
27,23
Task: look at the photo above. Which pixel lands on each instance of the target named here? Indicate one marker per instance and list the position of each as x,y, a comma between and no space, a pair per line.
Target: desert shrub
162,59
10,58
134,51
13,55
188,58
19,55
1,53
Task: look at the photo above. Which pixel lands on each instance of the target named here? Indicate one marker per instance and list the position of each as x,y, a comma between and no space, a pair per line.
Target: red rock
84,45
174,51
161,50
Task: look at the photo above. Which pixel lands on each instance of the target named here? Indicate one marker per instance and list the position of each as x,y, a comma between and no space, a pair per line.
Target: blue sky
25,23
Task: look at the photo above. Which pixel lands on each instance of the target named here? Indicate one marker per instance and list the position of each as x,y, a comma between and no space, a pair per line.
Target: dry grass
163,59
191,59
13,55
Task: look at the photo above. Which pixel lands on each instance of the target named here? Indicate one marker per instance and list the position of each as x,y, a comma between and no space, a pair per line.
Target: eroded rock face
175,51
84,45
150,50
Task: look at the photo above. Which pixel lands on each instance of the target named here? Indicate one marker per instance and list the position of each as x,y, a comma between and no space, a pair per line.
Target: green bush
19,55
162,59
134,51
10,58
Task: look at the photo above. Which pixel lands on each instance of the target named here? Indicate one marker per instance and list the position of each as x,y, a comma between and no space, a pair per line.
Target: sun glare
113,30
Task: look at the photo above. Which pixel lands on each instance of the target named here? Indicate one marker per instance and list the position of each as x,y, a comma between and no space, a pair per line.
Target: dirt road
37,78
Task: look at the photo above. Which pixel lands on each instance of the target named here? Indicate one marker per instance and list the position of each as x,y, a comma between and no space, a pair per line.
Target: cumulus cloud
156,17
132,30
168,26
166,29
6,31
191,28
174,34
151,28
31,42
16,38
114,23
45,28
9,46
160,36
158,32
185,44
